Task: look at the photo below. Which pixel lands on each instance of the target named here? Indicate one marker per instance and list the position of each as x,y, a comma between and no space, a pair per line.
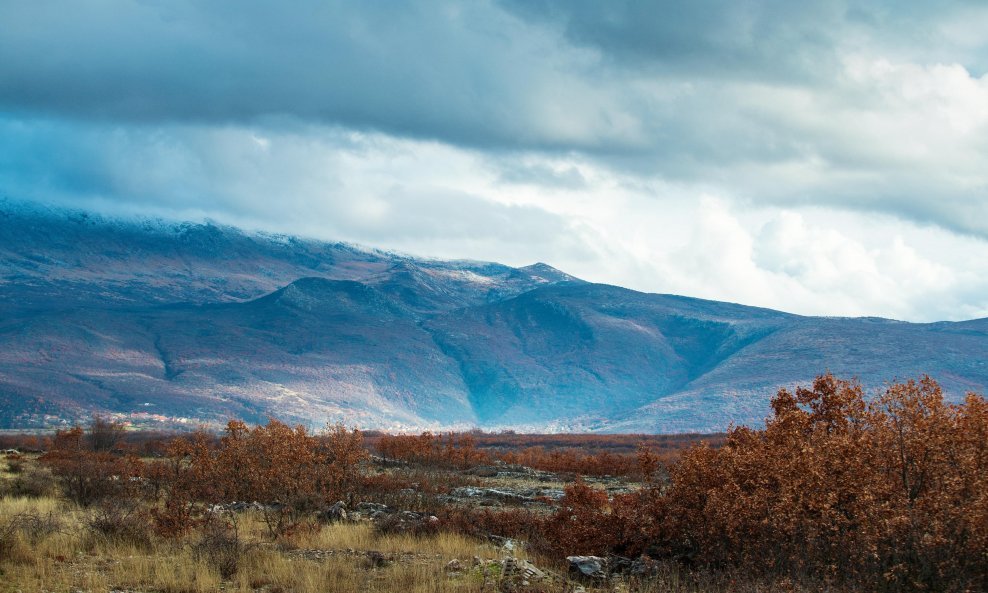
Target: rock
520,574
593,567
409,516
371,507
453,565
506,543
335,513
490,493
619,565
644,567
404,522
530,571
536,493
483,471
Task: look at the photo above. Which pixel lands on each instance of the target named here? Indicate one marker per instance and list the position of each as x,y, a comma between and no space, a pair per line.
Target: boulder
644,567
591,567
335,513
453,565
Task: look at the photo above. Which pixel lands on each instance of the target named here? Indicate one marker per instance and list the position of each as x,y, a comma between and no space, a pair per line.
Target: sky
820,157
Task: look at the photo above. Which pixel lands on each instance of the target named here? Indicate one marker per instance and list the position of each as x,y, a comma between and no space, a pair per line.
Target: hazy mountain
184,323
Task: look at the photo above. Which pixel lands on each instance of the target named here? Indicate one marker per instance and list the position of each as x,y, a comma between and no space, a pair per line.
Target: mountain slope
58,259
169,324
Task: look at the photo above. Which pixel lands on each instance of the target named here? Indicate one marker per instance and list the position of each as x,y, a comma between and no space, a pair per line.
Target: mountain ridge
199,323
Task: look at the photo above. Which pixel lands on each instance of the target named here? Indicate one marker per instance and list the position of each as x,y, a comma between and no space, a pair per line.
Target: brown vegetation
890,494
837,492
587,455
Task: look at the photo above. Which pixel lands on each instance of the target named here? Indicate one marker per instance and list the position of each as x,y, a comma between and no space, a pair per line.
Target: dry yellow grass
362,536
333,558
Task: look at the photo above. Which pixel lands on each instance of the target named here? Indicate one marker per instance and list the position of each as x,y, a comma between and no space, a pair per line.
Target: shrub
15,463
221,546
121,521
891,493
86,476
33,482
27,527
289,471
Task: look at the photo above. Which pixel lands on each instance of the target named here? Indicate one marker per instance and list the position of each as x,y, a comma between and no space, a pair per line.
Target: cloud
465,73
813,262
739,150
328,183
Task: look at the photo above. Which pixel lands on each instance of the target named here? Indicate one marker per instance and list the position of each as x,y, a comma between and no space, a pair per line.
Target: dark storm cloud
463,73
771,40
418,121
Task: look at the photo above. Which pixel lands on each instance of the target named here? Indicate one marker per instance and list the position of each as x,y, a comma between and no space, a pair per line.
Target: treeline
587,455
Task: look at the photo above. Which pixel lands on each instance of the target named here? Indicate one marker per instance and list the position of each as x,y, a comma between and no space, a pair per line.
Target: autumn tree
890,492
105,434
86,475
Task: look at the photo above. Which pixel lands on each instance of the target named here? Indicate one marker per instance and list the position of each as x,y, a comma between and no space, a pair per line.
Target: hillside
170,324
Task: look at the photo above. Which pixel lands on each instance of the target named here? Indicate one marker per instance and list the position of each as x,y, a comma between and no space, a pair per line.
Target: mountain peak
547,273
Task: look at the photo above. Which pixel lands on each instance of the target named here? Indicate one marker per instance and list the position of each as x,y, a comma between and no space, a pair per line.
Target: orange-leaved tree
891,492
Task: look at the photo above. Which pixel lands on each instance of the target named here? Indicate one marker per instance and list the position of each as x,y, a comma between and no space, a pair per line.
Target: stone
371,507
592,567
453,565
335,513
644,567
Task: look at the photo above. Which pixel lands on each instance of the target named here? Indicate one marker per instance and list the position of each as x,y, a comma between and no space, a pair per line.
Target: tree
105,435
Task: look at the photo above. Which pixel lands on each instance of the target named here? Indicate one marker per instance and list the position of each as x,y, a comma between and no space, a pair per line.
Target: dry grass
362,536
329,558
49,545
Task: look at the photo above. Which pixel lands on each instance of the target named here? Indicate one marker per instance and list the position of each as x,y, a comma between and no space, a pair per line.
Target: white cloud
820,159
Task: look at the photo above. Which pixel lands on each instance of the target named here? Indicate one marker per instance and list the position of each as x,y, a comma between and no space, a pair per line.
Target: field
837,493
50,543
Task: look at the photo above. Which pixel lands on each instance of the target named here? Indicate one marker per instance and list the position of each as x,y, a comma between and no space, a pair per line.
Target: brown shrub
121,521
221,546
86,476
34,482
289,471
31,527
891,493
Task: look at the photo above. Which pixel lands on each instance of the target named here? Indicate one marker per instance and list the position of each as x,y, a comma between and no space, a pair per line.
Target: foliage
86,475
887,493
285,469
892,492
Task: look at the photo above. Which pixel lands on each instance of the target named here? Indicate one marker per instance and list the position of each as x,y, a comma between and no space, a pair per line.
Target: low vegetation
838,492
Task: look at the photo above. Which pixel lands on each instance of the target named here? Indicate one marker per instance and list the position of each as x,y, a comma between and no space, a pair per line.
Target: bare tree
105,434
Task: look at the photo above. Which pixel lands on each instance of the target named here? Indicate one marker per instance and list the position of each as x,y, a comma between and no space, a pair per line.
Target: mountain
176,324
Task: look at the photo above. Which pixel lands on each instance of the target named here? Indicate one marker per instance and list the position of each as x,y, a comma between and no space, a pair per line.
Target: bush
33,482
121,521
87,476
220,546
891,492
15,463
289,471
23,528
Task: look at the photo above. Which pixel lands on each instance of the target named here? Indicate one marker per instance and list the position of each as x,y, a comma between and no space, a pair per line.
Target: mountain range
169,324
